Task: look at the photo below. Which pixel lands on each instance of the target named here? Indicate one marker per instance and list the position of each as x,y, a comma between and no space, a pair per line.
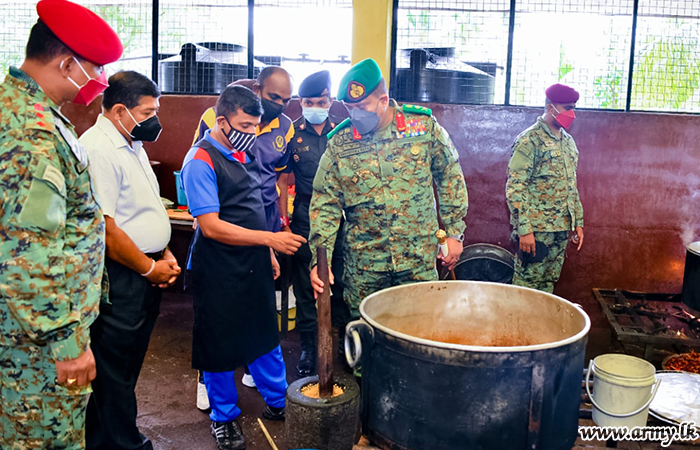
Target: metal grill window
15,23
202,45
465,56
305,36
451,51
666,75
585,44
131,20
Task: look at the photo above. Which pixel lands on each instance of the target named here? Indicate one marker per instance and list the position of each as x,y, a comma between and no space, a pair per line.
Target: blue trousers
270,378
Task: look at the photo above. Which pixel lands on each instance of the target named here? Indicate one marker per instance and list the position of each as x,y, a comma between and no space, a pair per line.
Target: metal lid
694,247
678,398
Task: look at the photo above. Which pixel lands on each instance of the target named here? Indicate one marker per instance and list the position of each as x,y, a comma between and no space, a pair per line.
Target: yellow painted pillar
371,33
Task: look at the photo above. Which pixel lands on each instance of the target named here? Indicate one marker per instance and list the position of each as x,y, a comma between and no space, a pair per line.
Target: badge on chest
552,147
413,128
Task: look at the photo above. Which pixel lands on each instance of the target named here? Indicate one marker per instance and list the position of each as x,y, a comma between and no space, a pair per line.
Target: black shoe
307,360
307,363
228,435
272,413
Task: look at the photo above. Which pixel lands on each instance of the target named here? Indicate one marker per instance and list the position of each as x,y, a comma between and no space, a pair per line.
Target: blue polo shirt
270,150
199,177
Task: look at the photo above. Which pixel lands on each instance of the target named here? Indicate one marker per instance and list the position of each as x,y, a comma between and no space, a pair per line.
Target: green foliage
608,90
565,67
132,26
667,70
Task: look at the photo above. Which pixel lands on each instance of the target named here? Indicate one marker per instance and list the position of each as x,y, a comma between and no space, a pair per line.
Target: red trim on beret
559,93
83,31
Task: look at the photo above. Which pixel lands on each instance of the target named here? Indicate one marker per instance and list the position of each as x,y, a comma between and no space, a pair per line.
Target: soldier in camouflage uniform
379,169
305,150
51,231
542,193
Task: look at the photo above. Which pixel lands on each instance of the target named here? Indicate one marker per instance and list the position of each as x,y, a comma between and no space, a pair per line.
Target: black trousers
120,337
306,320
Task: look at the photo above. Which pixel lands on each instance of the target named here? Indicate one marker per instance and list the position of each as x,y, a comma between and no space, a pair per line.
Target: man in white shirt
139,264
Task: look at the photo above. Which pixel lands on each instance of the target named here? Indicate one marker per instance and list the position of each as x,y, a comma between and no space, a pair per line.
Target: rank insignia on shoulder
417,109
400,121
413,128
355,134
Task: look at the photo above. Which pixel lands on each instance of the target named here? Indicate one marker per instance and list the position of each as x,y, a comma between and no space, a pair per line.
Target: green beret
360,81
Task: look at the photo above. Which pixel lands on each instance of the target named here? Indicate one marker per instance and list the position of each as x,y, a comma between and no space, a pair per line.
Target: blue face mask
315,116
363,121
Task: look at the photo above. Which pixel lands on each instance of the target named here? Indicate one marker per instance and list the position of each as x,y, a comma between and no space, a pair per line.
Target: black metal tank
469,365
691,278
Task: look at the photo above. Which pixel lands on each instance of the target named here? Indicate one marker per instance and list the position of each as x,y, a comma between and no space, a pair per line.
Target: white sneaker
248,380
202,397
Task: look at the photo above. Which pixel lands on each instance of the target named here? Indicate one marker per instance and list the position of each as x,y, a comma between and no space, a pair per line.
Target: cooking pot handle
353,341
633,413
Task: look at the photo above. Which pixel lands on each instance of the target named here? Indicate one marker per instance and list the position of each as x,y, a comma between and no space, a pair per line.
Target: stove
649,320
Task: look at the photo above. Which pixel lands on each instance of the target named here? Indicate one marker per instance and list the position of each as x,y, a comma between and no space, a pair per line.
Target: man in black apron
231,269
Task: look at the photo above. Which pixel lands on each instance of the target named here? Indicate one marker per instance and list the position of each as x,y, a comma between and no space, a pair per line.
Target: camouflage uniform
543,198
51,262
383,183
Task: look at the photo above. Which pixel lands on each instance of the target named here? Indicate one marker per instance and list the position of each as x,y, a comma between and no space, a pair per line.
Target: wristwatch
459,238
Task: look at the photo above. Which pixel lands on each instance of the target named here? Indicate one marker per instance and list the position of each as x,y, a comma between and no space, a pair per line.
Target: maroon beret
83,31
559,93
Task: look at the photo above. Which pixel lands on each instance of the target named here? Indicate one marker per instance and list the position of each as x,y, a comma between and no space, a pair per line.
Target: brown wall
639,179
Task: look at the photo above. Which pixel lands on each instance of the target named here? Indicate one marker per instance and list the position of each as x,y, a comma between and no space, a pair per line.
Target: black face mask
239,140
147,131
271,110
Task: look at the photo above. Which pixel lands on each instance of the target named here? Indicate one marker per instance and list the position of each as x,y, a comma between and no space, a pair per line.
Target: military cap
559,93
81,30
316,85
359,81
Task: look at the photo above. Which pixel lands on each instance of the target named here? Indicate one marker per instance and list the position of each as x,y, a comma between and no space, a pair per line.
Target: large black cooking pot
483,262
458,365
691,277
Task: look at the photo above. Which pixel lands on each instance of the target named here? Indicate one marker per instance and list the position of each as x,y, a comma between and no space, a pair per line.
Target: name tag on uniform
75,146
354,151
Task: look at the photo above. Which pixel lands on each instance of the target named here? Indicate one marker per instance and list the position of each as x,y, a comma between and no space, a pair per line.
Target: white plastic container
623,389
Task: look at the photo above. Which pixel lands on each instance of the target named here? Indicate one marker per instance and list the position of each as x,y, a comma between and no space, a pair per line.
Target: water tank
205,68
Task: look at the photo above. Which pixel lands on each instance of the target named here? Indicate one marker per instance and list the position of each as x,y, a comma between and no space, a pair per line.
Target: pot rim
479,348
694,248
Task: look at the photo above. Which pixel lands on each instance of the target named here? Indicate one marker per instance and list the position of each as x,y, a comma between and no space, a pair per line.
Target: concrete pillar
371,33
